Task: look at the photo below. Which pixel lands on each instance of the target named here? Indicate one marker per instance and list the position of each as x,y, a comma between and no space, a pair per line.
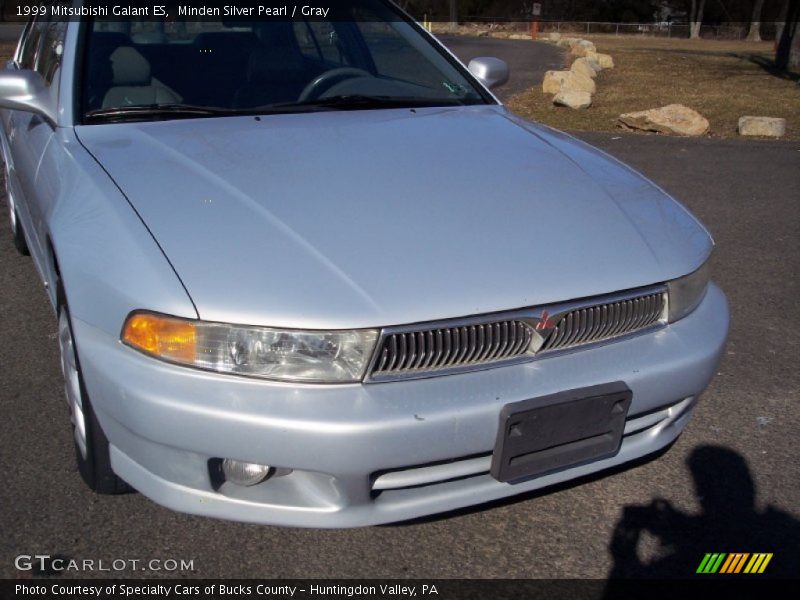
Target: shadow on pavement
728,522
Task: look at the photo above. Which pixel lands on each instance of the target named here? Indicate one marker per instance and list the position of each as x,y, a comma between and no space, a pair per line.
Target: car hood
372,218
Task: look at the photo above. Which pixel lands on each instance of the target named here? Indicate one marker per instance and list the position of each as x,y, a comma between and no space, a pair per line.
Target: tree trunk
787,56
453,16
755,22
692,17
698,22
781,22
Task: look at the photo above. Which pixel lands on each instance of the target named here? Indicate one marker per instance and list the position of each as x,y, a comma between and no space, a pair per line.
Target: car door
11,119
29,134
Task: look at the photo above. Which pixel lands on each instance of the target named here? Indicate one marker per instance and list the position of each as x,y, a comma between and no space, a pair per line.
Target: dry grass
721,80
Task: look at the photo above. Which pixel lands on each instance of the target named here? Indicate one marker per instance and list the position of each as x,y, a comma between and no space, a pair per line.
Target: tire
91,444
16,227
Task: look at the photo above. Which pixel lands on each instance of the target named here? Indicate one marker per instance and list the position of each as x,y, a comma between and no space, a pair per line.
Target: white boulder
553,80
581,48
762,126
585,66
674,119
604,60
577,82
574,100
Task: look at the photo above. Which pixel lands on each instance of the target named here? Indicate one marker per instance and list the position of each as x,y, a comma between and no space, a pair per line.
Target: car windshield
145,69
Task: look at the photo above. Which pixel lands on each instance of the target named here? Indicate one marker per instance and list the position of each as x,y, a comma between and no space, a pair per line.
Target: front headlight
686,293
279,354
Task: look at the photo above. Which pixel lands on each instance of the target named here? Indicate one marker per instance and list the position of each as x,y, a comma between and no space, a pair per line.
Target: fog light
244,473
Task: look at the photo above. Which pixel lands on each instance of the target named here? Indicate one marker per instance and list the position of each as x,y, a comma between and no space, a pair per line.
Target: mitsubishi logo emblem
545,322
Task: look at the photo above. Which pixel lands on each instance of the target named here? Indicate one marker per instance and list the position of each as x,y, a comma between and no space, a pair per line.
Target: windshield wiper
357,102
332,103
139,111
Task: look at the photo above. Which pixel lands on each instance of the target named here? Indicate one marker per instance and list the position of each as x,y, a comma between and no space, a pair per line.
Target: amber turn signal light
165,337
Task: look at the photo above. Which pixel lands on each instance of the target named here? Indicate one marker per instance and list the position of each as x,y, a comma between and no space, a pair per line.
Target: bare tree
696,18
781,22
787,56
755,22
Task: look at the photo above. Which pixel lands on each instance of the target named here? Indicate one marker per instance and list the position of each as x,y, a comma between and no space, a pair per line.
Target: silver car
313,273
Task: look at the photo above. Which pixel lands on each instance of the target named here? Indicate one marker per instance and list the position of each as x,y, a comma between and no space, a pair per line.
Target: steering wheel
328,79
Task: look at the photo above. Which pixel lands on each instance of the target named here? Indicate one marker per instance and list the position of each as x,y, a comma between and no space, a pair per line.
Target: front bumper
344,443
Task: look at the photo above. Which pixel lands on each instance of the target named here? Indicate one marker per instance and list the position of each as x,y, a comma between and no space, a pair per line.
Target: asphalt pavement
730,483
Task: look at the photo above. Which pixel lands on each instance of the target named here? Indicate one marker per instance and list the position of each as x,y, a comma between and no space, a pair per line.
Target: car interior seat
133,82
100,76
276,69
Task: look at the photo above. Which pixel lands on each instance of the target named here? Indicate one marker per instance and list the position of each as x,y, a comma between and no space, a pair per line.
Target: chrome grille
604,322
448,347
459,345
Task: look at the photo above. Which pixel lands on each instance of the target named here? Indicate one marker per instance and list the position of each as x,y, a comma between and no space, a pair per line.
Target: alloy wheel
72,382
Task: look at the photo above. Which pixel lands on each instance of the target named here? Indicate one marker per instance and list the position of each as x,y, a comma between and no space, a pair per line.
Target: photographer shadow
728,522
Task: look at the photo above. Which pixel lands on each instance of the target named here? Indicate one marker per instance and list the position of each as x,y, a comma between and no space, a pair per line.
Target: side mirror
26,91
492,72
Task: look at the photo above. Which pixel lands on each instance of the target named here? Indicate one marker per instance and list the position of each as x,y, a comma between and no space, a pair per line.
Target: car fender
106,258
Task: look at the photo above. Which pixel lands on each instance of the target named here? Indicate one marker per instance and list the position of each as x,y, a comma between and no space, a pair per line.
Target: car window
43,46
30,44
245,65
319,40
395,58
51,49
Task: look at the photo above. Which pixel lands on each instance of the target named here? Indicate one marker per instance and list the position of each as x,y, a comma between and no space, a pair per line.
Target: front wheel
91,444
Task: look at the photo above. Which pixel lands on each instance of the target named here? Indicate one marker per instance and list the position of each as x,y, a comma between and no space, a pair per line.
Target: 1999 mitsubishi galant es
313,273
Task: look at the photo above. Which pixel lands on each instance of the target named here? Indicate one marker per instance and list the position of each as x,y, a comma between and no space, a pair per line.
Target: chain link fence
728,31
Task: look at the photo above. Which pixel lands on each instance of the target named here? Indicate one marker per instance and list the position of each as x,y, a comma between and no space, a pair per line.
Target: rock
483,34
672,119
577,82
575,100
554,36
570,81
581,47
567,42
519,36
604,60
585,66
592,63
765,126
553,81
577,51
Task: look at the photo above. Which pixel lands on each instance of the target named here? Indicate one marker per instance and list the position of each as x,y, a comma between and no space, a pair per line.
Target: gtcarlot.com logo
46,563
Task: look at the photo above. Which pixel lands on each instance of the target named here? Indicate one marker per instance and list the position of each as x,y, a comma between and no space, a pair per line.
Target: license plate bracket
550,433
